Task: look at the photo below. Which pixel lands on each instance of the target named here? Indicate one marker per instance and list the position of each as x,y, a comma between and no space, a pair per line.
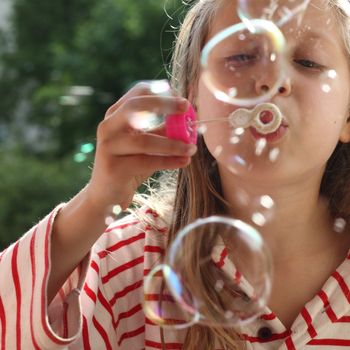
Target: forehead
317,20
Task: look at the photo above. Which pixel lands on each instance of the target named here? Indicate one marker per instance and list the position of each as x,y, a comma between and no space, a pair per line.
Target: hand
125,157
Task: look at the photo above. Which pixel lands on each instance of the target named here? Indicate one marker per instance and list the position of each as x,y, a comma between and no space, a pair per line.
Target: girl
65,285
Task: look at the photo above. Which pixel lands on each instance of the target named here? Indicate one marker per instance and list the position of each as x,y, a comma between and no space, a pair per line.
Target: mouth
273,137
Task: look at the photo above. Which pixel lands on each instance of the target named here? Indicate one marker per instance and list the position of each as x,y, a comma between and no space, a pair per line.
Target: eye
236,61
309,64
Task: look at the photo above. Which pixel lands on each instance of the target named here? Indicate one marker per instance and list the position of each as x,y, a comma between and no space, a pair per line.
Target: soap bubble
235,58
218,271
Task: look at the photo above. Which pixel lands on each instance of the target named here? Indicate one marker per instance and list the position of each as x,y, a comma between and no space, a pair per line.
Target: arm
33,269
124,158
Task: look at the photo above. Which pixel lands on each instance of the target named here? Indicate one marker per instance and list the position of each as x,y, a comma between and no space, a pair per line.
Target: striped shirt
100,305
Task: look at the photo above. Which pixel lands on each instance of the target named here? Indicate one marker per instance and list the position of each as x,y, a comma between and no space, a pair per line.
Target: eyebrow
314,34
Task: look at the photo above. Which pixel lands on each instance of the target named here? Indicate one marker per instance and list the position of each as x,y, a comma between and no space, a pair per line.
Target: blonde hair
198,188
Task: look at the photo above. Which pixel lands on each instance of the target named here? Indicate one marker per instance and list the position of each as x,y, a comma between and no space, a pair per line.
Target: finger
155,104
149,144
141,88
155,163
127,114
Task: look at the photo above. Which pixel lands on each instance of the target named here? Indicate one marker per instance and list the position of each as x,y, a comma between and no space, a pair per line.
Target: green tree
51,48
104,45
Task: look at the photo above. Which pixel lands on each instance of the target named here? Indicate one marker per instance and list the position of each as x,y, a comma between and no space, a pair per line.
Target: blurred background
62,64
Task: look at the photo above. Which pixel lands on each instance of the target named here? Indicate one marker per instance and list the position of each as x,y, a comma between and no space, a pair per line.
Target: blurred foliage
49,49
30,188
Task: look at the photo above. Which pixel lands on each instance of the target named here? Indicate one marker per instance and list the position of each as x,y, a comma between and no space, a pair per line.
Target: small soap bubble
332,74
117,209
229,315
263,210
267,202
326,88
218,150
234,140
202,129
233,91
339,225
259,219
273,155
109,220
239,131
260,146
219,285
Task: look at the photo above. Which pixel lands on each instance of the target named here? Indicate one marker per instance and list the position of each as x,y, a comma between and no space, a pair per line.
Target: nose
263,86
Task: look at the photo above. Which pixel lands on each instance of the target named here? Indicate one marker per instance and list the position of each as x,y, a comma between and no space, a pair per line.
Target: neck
300,225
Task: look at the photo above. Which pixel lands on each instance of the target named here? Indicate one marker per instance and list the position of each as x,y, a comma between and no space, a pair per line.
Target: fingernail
182,103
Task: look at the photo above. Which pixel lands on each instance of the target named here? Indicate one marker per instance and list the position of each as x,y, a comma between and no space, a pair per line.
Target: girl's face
316,113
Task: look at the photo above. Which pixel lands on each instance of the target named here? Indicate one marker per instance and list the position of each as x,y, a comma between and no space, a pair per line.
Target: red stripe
148,321
62,295
308,320
238,276
65,320
125,291
273,337
223,255
330,342
131,334
168,346
89,292
94,265
105,304
156,297
85,333
152,212
102,332
342,284
47,331
17,284
344,319
128,314
290,344
3,325
32,260
121,268
121,244
154,249
268,317
328,309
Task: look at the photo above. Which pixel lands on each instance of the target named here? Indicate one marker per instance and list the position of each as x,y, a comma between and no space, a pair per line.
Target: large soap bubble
218,272
233,60
277,11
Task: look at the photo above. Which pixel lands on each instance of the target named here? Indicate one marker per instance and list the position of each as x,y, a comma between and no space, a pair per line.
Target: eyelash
241,59
248,58
308,64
